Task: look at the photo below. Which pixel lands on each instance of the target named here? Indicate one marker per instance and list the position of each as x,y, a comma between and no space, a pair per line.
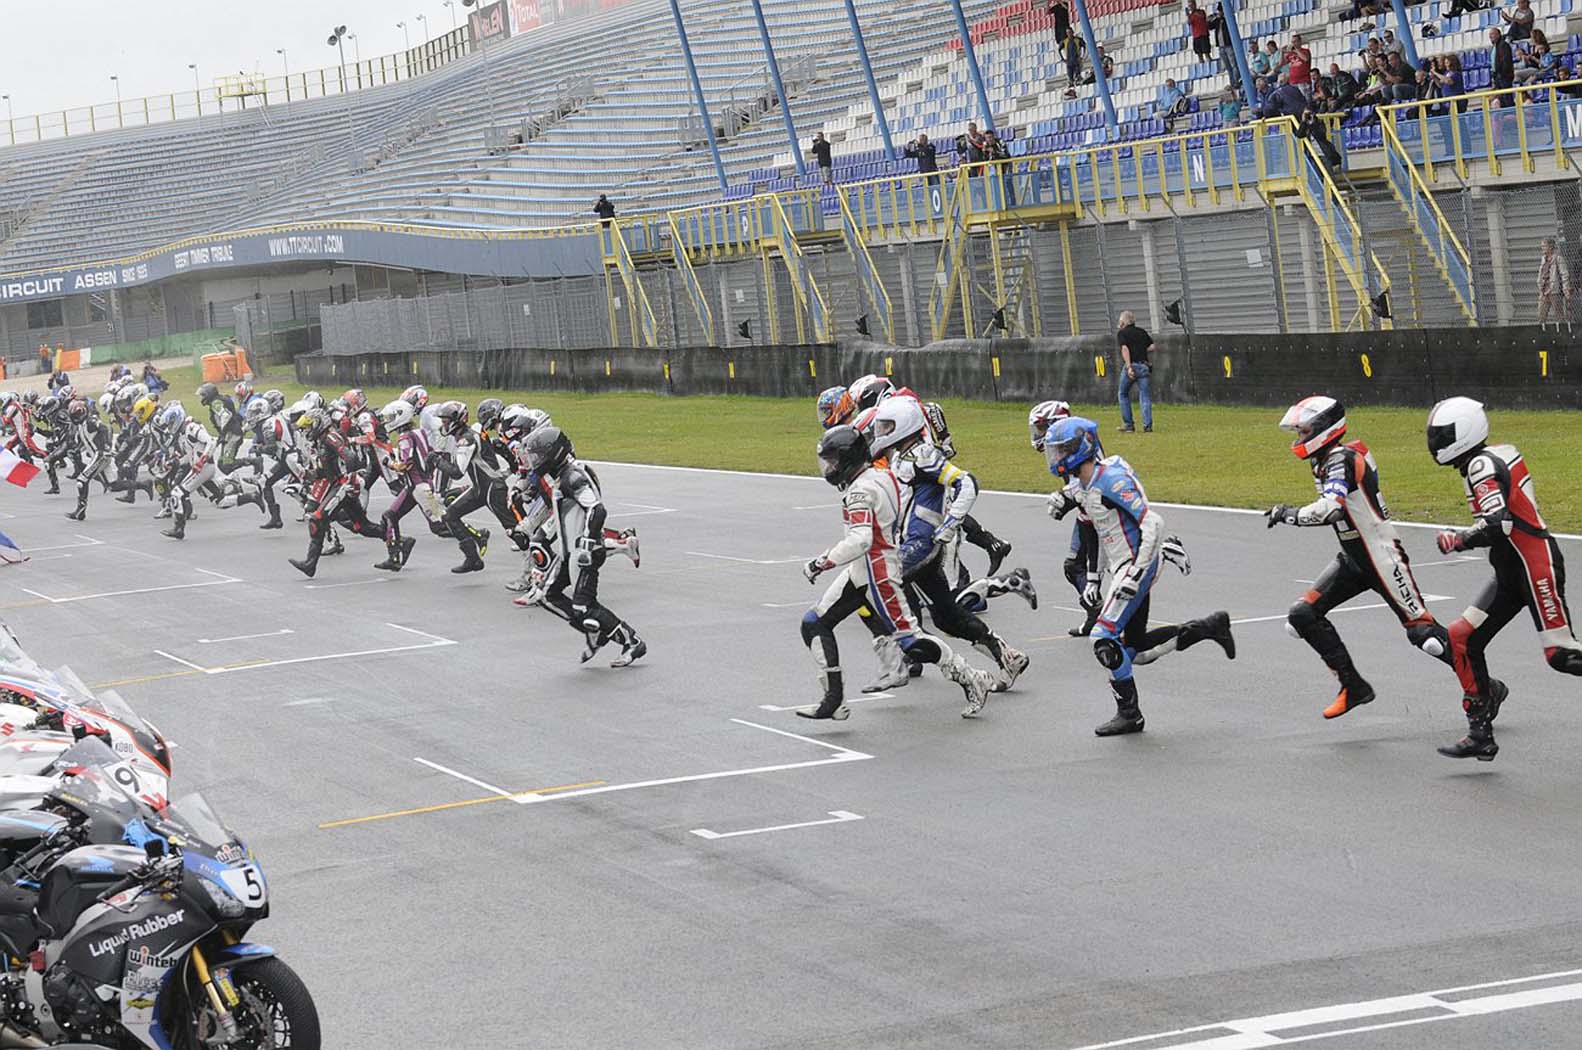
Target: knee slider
921,650
1109,653
1301,619
810,627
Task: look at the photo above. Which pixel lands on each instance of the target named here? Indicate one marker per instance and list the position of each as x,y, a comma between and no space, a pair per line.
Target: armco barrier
1507,368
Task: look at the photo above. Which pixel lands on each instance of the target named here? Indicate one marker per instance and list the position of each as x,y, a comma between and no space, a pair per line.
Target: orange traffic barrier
222,368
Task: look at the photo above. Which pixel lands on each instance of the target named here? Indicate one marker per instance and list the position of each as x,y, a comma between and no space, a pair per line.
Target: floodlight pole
774,75
873,85
697,91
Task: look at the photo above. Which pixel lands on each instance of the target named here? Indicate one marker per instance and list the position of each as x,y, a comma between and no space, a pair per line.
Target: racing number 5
255,889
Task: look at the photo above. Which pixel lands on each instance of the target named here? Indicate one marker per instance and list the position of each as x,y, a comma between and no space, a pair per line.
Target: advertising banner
490,23
525,15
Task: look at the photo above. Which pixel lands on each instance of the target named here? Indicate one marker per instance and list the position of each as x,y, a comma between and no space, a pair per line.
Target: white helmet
1042,417
256,412
895,422
397,415
868,391
1318,422
1456,426
107,402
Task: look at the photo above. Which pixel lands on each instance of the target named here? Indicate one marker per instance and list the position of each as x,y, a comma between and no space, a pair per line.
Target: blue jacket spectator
1172,102
1286,100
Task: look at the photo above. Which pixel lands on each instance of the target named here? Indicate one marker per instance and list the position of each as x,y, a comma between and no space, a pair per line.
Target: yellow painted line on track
457,805
144,678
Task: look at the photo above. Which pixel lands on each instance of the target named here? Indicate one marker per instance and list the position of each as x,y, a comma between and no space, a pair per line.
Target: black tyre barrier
1519,367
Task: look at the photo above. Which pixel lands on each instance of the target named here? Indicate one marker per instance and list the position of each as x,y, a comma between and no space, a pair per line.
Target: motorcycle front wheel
276,1012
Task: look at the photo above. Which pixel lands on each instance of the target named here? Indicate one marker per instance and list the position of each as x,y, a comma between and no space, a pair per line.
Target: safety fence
1524,367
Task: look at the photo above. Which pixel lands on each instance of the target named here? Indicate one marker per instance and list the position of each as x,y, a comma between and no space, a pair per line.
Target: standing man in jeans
1137,346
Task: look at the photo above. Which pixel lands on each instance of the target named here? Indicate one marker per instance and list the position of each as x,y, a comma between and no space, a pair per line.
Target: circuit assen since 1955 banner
500,257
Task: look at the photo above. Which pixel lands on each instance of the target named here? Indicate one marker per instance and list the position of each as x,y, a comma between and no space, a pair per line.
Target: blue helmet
835,407
1070,443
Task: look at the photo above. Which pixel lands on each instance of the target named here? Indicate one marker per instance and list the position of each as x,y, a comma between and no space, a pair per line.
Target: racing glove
946,534
1128,581
1060,504
1092,593
1175,552
1279,514
816,568
1452,540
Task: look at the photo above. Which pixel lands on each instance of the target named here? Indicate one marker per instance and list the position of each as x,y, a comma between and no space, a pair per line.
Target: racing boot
522,582
633,648
975,684
833,706
406,549
274,521
892,665
392,562
998,551
483,544
1354,692
309,565
593,639
1011,662
128,491
163,512
335,545
626,543
1020,582
54,482
1214,627
178,527
1087,624
1479,742
470,560
81,512
1128,716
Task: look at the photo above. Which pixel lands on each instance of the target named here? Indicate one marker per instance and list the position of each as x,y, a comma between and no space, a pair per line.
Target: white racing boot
892,666
975,684
1011,663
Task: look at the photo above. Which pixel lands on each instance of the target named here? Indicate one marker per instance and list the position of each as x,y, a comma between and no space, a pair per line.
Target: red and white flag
14,470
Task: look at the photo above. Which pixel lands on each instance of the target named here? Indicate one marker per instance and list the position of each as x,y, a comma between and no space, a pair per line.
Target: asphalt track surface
1243,874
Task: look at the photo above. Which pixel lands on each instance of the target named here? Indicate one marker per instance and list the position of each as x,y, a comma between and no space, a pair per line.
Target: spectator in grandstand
1311,127
1062,16
1136,347
1286,100
1272,76
1343,87
1324,97
821,153
1400,79
1554,284
1073,57
1462,7
1297,62
1229,107
995,150
1227,61
1536,65
1502,64
1197,29
1258,63
975,143
1391,46
1448,81
927,157
1520,20
1172,103
604,210
1365,9
1375,92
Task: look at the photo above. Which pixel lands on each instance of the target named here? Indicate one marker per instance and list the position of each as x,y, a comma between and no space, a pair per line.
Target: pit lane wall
1523,367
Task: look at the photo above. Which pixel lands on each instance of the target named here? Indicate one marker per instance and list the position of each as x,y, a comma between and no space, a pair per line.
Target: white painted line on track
1326,1022
433,638
245,637
48,557
179,660
462,776
1017,495
220,579
1464,559
747,561
786,605
853,700
842,754
838,816
309,700
817,506
1342,609
91,542
647,510
350,583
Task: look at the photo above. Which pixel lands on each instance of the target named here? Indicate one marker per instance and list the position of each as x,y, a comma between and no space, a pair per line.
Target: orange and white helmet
1318,422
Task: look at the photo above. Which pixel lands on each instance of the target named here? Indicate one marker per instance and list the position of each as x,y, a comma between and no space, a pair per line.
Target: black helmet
452,417
842,455
207,393
489,410
548,451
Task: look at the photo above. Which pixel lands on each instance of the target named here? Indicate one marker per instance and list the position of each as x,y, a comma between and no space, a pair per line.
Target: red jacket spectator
1298,63
1197,26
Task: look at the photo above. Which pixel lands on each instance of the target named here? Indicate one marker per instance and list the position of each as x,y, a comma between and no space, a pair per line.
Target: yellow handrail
1486,104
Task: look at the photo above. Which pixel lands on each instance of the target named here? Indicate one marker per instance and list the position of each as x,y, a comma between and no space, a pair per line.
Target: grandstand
482,173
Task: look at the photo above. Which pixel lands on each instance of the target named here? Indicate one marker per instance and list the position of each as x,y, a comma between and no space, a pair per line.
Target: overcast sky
55,56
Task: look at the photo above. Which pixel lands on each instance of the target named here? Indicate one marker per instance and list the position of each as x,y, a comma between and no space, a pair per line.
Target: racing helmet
397,415
1318,422
243,391
415,396
548,451
30,398
106,402
1070,443
1041,418
452,417
78,410
256,412
835,407
143,410
896,423
843,455
489,412
868,391
207,393
518,421
356,401
1457,427
171,416
275,400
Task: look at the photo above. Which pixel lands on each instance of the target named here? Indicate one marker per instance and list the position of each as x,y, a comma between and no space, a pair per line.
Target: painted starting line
1326,1022
599,787
434,642
219,578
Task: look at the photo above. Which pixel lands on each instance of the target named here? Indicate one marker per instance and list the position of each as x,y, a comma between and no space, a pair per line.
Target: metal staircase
867,274
781,238
1449,256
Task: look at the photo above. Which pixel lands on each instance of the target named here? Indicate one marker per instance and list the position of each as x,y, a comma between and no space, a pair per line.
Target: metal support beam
780,90
1403,32
1101,83
867,72
986,112
697,93
1227,11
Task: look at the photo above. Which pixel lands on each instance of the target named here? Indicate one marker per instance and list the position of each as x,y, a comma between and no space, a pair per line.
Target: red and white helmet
868,391
1318,422
892,424
1042,417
